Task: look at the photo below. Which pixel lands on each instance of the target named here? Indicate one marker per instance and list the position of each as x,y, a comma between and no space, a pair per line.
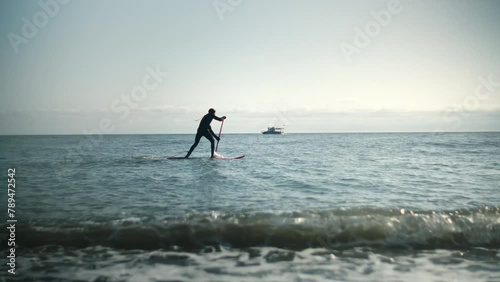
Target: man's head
211,111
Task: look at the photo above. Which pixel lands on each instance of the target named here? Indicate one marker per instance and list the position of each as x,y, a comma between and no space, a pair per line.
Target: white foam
319,264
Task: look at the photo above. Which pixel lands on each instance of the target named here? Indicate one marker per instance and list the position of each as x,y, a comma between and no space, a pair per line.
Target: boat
274,130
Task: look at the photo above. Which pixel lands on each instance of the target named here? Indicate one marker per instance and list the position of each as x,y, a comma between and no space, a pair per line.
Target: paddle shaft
220,131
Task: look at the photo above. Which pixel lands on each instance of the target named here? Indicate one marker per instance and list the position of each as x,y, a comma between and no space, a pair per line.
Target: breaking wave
341,228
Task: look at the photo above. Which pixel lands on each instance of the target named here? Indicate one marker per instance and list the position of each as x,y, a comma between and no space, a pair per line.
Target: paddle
220,131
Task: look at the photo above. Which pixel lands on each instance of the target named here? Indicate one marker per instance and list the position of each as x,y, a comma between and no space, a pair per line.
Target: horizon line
259,133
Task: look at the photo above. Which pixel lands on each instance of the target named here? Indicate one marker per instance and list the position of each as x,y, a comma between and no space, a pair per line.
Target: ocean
298,207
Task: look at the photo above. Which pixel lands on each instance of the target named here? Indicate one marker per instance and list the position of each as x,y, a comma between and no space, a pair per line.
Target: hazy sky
315,66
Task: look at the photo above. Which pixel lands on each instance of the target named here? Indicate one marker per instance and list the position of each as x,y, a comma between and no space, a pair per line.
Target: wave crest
342,228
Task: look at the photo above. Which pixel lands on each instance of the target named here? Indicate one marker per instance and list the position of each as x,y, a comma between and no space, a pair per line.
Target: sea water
298,207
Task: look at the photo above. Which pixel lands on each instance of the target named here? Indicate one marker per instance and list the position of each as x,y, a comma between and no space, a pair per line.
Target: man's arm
219,118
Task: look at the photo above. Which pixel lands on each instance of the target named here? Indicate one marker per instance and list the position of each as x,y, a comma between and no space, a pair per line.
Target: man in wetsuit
206,130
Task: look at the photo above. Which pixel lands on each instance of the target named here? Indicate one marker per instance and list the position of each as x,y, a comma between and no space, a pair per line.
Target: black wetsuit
205,130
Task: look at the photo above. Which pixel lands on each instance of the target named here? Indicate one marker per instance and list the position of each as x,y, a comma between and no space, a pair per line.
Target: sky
154,67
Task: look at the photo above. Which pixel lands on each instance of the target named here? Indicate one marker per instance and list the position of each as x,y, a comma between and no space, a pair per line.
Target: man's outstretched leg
196,141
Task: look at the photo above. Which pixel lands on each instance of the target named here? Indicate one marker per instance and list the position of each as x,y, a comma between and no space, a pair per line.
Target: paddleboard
233,158
221,158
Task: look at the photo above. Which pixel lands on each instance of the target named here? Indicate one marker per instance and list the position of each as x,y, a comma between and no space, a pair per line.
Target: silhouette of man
206,130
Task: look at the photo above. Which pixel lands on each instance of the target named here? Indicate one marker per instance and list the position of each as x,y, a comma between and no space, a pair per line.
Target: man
206,130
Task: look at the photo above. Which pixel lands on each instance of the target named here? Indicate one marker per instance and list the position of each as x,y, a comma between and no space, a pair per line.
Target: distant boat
274,130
